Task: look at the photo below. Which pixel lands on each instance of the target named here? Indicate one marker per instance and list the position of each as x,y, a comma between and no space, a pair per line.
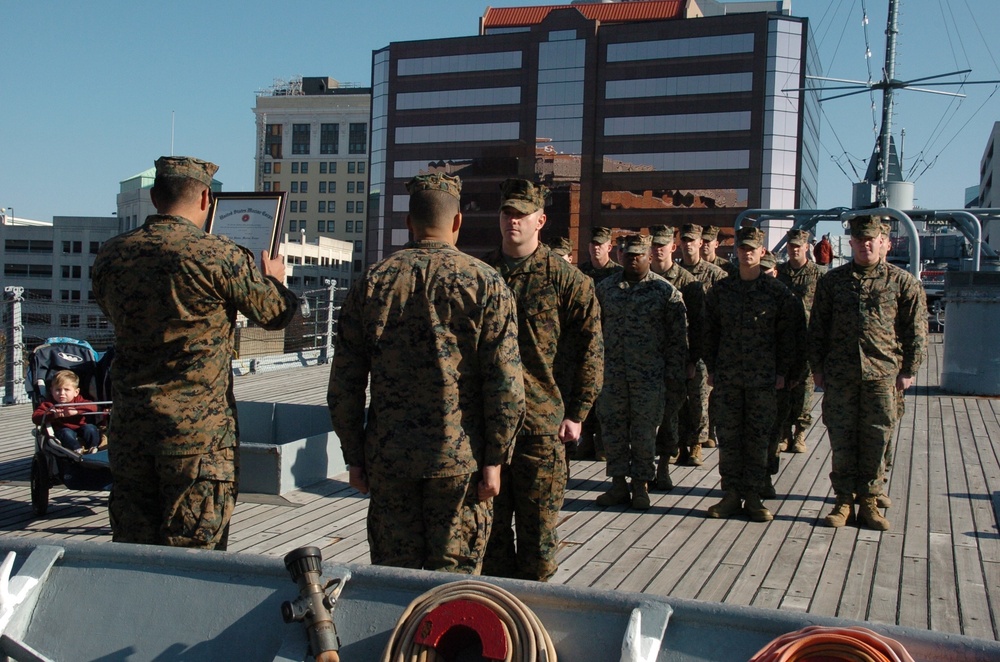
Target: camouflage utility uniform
802,282
750,325
172,293
436,331
728,266
559,334
868,326
645,355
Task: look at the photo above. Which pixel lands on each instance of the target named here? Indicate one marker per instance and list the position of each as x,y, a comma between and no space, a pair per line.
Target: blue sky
87,89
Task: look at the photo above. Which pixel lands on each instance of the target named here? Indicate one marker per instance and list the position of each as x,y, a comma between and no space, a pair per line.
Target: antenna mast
889,74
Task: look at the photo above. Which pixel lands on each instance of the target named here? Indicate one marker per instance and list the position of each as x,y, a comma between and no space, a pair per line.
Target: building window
293,206
331,225
321,225
267,186
350,167
322,207
333,167
300,139
295,187
331,207
94,247
277,168
304,167
358,138
359,226
329,138
303,226
275,185
69,321
361,167
72,247
97,322
322,187
71,271
360,187
295,165
350,225
331,187
293,226
350,207
272,142
267,167
350,187
322,167
69,295
360,207
302,207
303,187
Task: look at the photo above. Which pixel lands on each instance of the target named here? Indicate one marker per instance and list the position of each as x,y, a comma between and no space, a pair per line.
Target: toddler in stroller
68,411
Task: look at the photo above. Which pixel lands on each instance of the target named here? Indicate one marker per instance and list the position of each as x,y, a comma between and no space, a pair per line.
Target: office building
634,113
989,185
312,142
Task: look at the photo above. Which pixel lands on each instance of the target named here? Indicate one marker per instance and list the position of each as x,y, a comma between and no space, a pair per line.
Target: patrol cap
522,195
437,181
691,231
186,166
561,246
797,237
768,261
600,235
866,227
710,233
636,243
661,234
752,237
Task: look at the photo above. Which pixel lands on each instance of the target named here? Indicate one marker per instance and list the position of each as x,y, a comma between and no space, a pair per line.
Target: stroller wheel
39,486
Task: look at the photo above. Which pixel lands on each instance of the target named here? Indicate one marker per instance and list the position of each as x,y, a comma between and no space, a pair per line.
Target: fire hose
854,644
505,627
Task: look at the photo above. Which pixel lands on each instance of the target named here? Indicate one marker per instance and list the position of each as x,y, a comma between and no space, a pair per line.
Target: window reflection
659,124
675,48
458,133
457,63
664,162
679,86
660,199
458,98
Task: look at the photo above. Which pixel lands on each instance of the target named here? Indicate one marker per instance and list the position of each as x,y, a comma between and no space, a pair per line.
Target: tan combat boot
882,501
640,495
695,459
842,512
786,440
618,494
756,510
869,515
730,505
798,441
663,481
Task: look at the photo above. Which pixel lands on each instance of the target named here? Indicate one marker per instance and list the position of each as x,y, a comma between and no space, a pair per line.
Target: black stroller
53,464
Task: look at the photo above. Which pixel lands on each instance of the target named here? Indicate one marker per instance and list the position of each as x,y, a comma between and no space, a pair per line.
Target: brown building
634,113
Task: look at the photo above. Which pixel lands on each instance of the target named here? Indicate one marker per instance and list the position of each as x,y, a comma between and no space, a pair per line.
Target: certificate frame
251,219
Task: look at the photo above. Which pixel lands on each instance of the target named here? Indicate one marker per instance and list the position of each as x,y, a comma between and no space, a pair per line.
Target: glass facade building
630,124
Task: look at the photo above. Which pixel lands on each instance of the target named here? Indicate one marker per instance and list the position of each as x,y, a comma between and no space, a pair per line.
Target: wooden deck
938,568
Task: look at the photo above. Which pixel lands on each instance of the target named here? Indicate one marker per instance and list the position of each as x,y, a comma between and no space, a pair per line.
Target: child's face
65,392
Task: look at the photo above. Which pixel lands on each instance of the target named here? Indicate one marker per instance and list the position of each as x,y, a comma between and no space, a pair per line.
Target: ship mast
885,133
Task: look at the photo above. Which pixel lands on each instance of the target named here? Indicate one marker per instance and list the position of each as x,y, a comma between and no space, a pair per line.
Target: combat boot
842,512
756,510
618,494
663,481
798,441
869,515
786,440
694,460
768,492
730,505
882,501
640,495
710,441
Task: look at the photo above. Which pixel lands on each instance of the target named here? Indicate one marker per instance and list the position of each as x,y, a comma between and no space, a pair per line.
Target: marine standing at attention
172,292
559,334
709,245
752,319
867,336
436,331
645,357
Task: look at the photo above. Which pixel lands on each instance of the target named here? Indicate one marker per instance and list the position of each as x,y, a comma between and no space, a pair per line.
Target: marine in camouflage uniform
646,354
559,335
709,244
172,293
751,320
436,331
693,294
591,444
800,275
868,336
694,420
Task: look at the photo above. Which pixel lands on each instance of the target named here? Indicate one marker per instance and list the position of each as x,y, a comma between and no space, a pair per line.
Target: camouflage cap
561,246
752,237
600,235
691,231
437,181
797,237
661,234
186,166
522,195
710,233
636,243
866,227
768,261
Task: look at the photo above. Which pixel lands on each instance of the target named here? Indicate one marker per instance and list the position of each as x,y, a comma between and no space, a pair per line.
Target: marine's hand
818,379
358,479
903,382
489,484
710,379
569,430
275,268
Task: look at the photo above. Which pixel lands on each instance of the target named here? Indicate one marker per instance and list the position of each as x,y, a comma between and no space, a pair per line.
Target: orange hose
850,644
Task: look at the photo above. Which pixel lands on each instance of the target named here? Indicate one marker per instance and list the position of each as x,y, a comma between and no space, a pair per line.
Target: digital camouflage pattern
562,351
868,326
750,326
646,353
802,282
597,274
430,524
525,196
706,272
728,266
436,331
436,181
186,166
172,292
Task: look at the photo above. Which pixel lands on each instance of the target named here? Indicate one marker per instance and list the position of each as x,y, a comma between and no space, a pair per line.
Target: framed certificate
252,220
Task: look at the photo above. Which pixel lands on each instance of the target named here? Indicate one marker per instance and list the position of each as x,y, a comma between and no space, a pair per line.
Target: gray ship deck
938,568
